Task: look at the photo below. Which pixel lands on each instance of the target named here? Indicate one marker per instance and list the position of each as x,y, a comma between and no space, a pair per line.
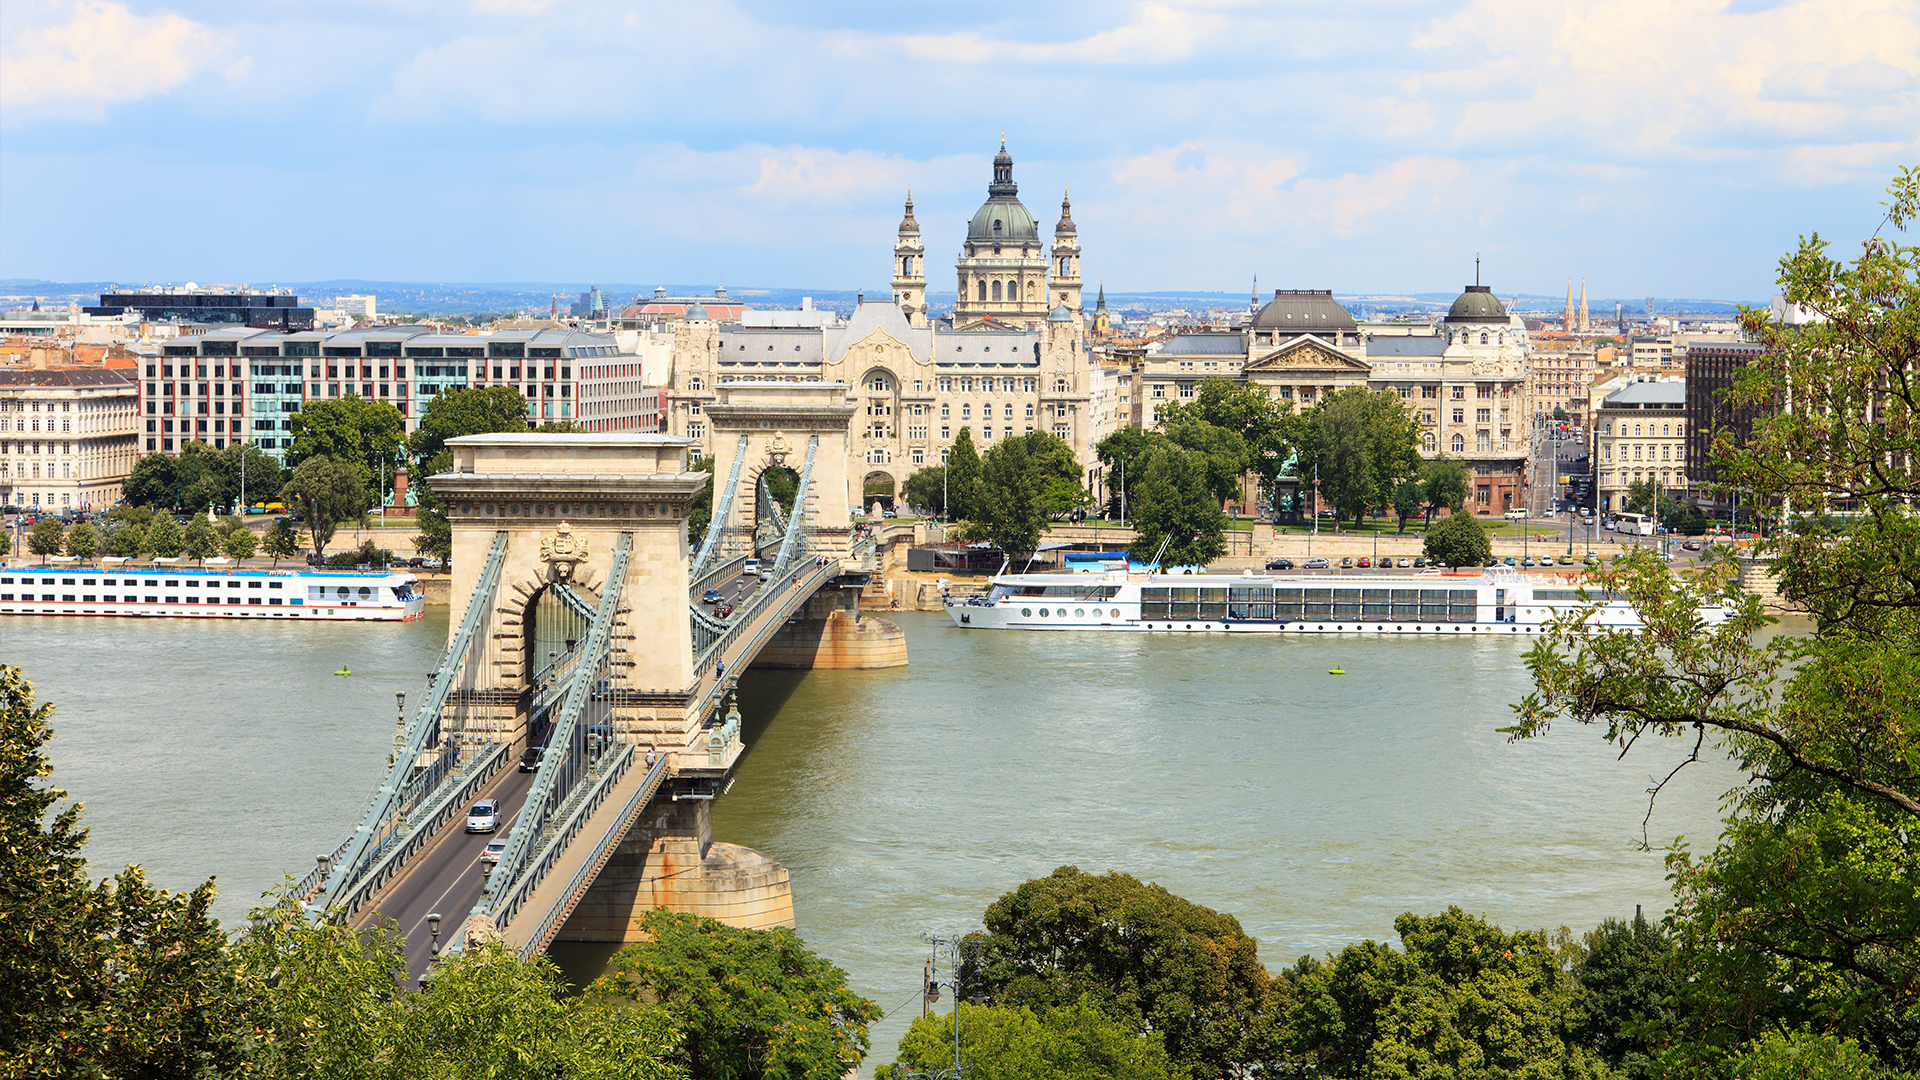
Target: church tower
1003,264
1065,268
1566,314
909,269
1584,324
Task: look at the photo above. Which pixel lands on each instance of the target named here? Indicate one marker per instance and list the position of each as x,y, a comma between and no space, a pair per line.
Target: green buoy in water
343,671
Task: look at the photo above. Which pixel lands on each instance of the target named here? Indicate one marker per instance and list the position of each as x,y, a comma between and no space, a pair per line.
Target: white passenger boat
209,592
1489,602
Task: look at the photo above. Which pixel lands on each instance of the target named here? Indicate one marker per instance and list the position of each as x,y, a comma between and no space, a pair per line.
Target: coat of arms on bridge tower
777,451
562,551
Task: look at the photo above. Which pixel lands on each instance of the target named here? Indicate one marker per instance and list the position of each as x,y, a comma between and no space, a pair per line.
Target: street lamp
952,948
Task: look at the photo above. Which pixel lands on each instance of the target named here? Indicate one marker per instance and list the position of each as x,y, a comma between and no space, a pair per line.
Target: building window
919,456
1458,444
1483,495
1482,442
1460,416
1482,416
1459,393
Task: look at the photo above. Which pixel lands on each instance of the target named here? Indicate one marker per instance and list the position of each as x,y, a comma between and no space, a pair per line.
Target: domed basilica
1005,274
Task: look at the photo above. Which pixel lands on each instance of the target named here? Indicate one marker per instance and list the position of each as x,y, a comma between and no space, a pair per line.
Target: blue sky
1671,148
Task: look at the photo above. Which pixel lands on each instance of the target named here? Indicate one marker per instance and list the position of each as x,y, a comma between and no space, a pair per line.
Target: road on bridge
447,878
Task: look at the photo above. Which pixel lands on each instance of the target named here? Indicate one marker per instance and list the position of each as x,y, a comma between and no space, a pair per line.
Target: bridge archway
762,426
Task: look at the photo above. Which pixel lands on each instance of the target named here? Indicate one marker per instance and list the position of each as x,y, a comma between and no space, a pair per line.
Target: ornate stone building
1004,365
1004,273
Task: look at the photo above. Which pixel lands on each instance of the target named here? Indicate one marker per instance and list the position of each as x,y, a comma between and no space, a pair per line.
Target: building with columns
1014,357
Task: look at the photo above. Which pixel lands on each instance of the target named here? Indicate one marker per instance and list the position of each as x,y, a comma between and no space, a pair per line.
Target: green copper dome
1002,219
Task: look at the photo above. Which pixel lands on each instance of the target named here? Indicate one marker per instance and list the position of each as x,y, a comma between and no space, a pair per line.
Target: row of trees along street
1171,482
341,465
1791,950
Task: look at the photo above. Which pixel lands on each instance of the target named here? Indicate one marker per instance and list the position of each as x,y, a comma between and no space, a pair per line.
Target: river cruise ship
1489,602
208,592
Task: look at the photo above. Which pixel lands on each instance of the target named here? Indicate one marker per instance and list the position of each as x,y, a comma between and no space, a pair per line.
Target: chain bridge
579,626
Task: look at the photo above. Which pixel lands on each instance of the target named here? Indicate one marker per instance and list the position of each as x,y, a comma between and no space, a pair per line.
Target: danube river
1237,773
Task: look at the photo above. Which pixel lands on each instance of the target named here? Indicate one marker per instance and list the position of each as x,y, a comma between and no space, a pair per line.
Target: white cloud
1690,79
102,54
1156,33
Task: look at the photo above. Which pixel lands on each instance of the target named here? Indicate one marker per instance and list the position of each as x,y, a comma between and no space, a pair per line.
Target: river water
1237,773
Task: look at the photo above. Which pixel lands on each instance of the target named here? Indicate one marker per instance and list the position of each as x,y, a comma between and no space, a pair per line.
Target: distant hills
474,298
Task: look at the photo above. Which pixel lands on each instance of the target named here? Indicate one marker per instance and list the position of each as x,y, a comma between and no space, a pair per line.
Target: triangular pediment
1307,354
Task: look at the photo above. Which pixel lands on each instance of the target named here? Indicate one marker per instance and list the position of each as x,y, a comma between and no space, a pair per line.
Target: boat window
1062,613
1026,613
1043,613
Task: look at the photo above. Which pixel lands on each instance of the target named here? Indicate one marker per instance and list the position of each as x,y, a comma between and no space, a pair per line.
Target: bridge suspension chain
558,773
391,800
722,513
792,545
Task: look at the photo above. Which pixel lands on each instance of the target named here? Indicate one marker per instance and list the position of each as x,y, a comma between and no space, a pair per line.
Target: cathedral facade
1013,358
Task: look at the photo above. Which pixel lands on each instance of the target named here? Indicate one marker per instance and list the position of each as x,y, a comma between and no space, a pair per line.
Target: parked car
484,816
491,857
1691,545
1419,561
1566,560
1279,564
1346,563
1364,562
530,760
1314,564
314,559
1405,563
431,563
1508,560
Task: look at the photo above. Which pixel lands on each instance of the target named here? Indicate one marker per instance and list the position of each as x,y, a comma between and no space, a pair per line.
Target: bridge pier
830,632
669,859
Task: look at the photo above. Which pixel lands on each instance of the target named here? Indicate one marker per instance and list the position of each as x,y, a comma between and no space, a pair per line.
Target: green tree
1640,500
1158,963
280,540
1458,540
925,490
1122,455
152,482
1264,425
1445,482
108,979
752,1003
199,540
1222,450
1805,915
164,538
1630,981
201,479
130,540
239,544
1078,1042
963,476
1174,503
364,435
1007,513
6,544
82,542
327,492
1559,414
1409,498
466,411
699,517
1363,443
490,1014
48,537
252,472
1464,1000
436,532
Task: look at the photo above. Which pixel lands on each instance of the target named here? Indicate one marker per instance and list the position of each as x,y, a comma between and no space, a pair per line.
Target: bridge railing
444,805
590,866
725,571
802,580
555,839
